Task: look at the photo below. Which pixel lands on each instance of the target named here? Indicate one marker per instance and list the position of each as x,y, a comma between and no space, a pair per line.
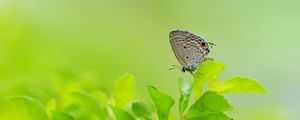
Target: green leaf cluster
208,105
79,102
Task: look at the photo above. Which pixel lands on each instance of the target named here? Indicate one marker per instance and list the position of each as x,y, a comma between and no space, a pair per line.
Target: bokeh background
46,43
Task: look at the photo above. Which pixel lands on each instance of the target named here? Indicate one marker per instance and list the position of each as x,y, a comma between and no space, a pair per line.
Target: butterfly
189,49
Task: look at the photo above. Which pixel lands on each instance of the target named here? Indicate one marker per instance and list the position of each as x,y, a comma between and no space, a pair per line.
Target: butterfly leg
208,59
183,69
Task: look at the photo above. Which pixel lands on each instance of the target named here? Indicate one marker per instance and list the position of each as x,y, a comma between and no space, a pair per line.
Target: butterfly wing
186,48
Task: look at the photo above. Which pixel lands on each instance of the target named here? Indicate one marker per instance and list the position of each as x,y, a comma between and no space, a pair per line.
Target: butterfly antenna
175,67
211,44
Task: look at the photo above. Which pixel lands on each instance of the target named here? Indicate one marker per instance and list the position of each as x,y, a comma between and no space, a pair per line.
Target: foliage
185,93
142,110
209,105
86,104
162,102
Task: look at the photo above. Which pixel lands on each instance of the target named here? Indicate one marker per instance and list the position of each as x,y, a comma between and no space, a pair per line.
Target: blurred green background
45,44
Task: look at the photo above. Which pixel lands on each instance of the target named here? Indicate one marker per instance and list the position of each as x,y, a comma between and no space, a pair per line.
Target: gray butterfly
189,49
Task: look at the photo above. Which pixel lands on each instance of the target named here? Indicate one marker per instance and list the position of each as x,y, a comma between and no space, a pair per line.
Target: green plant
211,104
81,104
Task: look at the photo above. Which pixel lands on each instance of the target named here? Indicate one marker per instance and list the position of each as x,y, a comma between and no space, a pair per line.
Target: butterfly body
189,49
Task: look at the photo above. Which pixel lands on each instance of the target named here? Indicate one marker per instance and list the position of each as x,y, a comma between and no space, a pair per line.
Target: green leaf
124,90
142,110
101,97
121,114
185,93
162,102
238,85
218,86
208,102
90,103
211,116
206,71
27,107
61,116
50,106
